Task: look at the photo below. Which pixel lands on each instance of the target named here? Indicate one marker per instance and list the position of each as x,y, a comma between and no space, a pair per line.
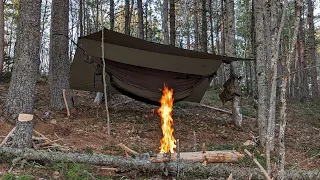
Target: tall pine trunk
140,19
165,29
172,23
196,25
22,88
204,36
111,15
312,51
127,17
59,68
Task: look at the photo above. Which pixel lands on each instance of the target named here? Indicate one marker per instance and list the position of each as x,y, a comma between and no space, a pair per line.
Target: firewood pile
39,142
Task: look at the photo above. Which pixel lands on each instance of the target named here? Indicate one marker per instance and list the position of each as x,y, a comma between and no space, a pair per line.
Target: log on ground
187,169
208,156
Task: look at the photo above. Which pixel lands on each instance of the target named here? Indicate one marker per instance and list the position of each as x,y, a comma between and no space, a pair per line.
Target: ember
168,142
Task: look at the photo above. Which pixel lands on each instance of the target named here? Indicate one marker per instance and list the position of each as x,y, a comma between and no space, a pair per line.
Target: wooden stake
65,102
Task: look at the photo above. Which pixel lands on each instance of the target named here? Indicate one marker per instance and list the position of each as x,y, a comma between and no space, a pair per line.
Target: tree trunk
211,27
1,37
283,98
172,23
97,15
22,88
204,37
165,29
59,59
312,51
81,17
127,17
230,51
196,25
304,63
140,19
111,15
261,70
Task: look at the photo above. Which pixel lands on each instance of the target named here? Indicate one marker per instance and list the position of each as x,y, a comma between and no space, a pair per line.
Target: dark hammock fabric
140,69
145,84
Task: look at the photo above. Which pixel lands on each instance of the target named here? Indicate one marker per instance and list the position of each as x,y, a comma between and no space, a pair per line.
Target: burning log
226,156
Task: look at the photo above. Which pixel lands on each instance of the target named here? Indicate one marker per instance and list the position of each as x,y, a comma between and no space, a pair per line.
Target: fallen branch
266,175
7,137
128,150
125,165
224,111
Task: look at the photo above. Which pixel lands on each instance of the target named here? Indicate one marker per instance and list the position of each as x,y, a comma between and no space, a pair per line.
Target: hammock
139,69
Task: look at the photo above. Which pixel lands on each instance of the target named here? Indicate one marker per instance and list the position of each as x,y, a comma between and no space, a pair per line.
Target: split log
66,102
188,169
208,157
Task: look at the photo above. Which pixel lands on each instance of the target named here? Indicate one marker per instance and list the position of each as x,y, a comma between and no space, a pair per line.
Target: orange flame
168,143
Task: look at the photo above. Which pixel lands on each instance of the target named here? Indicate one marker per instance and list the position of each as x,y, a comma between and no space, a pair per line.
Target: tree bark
126,165
127,17
230,51
196,25
211,27
140,19
59,59
81,17
22,88
283,97
312,51
261,70
172,23
23,132
165,29
111,15
1,37
204,36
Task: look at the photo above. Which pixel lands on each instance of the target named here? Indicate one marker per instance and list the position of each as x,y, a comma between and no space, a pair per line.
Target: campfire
168,142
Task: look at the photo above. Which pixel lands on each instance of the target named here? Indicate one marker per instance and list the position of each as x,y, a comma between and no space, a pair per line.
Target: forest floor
137,125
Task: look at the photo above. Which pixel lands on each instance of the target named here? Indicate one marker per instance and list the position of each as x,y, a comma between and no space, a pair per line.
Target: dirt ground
137,125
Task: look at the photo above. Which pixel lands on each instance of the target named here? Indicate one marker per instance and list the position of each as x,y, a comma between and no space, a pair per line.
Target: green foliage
74,171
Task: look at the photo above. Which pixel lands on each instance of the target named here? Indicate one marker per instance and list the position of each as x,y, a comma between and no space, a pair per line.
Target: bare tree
22,88
165,29
59,66
81,17
140,19
312,51
172,23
